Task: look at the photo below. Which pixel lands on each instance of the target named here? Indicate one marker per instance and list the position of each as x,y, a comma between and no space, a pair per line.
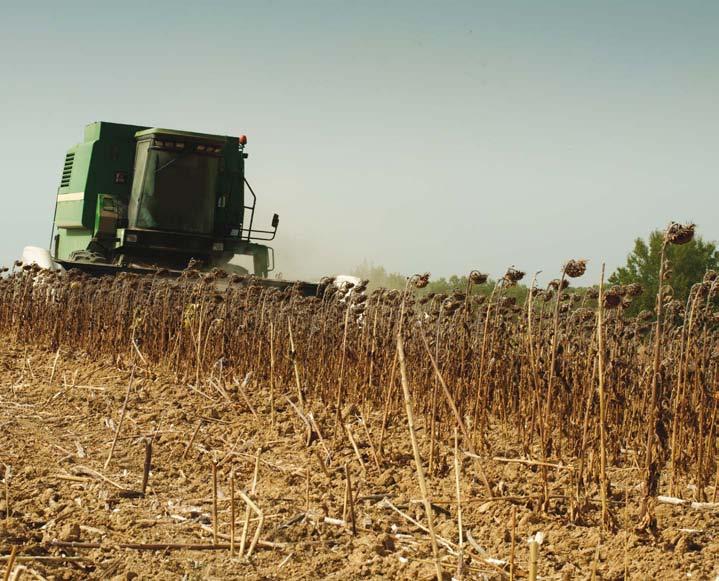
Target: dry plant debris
135,411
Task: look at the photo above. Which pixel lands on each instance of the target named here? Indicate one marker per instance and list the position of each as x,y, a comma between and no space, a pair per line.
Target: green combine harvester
140,199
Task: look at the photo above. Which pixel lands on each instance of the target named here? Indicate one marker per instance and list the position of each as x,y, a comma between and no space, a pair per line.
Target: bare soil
59,416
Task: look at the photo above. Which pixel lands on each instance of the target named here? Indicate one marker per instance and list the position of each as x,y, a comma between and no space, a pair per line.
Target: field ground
59,416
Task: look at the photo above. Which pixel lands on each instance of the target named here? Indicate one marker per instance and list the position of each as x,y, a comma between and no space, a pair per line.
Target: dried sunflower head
634,289
679,233
513,276
612,298
575,268
358,298
362,286
675,308
555,284
393,295
584,315
476,277
450,305
421,280
645,315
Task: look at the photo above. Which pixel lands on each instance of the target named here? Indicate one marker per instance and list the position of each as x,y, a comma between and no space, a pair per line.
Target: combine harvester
143,199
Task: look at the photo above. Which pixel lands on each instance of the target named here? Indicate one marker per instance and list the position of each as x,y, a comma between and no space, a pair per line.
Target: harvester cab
141,198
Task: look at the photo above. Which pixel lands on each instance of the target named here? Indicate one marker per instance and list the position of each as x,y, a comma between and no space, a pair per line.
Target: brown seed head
513,276
421,280
634,289
679,233
575,268
612,298
476,277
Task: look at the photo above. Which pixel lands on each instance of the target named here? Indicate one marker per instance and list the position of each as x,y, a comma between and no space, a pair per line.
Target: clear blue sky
439,136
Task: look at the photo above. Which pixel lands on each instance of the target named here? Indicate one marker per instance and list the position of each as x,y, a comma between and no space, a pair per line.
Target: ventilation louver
67,170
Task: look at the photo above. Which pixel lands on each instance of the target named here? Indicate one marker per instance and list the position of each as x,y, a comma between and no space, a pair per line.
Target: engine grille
67,170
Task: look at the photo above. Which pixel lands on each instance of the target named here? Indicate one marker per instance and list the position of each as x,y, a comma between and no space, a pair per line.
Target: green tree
688,263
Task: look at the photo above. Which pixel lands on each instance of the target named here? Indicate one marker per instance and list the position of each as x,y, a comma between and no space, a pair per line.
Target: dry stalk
458,492
147,464
233,517
253,490
606,520
417,456
215,523
272,374
192,439
122,419
514,543
371,445
10,563
533,559
651,480
449,545
315,427
350,500
340,377
322,465
260,523
241,388
354,447
54,366
457,416
307,489
6,478
293,357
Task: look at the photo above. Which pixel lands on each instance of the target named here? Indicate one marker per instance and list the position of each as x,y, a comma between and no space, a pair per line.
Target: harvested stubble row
481,365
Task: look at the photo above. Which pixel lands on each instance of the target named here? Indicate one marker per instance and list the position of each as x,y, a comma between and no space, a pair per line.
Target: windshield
173,190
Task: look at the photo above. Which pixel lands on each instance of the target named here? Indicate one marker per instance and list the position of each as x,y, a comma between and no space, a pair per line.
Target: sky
421,136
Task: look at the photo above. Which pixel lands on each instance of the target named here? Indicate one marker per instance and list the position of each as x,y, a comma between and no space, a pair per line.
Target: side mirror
275,220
